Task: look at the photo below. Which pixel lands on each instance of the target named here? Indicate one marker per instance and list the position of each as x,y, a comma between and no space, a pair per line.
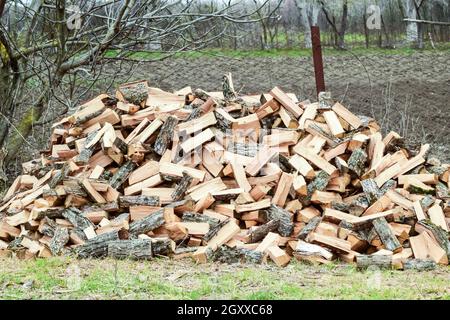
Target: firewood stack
216,176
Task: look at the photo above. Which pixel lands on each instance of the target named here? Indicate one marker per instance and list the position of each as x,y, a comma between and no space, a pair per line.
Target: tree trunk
412,28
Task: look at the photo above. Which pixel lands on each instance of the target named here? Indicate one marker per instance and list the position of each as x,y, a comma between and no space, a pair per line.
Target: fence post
317,58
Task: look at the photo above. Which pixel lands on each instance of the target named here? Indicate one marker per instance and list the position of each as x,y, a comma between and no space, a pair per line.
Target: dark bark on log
213,231
197,217
195,114
286,225
260,232
310,227
357,162
165,135
59,240
122,174
228,88
138,249
284,164
135,94
441,236
121,145
97,247
225,254
162,247
147,224
419,265
128,201
76,218
84,156
244,149
52,213
319,183
222,123
379,261
371,190
386,235
181,187
59,176
79,233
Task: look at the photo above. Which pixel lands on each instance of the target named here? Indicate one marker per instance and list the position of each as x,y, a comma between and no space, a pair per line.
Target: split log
286,225
122,174
76,218
388,238
356,162
310,227
260,232
182,187
147,224
165,135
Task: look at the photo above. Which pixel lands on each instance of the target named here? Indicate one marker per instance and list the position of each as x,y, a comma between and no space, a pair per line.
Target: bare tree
46,46
331,19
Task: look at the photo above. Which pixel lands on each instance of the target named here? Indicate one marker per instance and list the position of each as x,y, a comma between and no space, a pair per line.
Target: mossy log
128,201
286,225
136,94
136,249
122,174
59,240
165,135
261,231
228,88
379,261
147,224
386,235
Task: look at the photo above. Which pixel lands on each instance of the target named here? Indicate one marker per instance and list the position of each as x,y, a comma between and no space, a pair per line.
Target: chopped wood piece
240,176
386,235
280,257
379,261
148,223
142,200
316,160
287,102
333,123
165,135
437,216
345,114
263,156
282,191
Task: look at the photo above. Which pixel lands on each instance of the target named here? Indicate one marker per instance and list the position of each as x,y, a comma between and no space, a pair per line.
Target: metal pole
317,58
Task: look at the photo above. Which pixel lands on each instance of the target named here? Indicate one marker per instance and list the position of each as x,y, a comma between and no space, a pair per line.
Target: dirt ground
408,93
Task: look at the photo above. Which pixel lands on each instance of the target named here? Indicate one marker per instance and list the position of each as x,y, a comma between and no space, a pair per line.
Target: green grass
272,53
65,278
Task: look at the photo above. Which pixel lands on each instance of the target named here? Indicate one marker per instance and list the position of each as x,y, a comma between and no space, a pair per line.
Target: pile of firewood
220,177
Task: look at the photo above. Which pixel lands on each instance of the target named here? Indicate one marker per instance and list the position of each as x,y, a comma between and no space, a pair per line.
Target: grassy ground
65,278
271,53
